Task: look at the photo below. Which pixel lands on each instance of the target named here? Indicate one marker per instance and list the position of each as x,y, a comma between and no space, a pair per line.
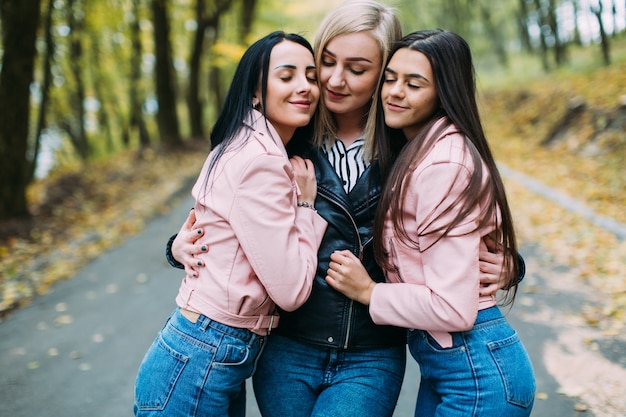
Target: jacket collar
329,184
263,128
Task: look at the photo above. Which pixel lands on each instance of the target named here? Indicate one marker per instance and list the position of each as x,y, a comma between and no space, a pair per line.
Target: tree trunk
104,93
494,35
542,36
560,55
215,86
45,87
604,39
76,127
136,97
194,103
247,16
167,118
522,22
20,19
205,19
577,39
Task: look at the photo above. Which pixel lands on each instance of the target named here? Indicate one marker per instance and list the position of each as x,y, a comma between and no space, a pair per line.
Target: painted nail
199,263
199,231
203,248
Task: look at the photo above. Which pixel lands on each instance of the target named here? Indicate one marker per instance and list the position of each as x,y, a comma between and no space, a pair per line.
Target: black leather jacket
328,318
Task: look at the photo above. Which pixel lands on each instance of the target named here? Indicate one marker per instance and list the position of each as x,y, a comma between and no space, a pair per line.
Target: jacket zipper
360,255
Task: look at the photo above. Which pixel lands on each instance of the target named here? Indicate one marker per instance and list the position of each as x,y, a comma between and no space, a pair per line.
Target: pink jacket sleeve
280,240
439,291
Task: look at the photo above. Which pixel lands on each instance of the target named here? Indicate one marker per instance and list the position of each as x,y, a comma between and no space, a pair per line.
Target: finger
191,271
488,257
330,281
332,274
310,167
334,267
489,290
191,219
194,235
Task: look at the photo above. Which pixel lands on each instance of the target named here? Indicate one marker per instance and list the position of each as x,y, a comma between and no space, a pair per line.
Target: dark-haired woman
250,196
442,200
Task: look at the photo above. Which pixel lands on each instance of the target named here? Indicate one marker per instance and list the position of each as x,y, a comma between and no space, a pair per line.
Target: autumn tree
597,10
20,20
167,117
74,123
45,86
207,20
135,94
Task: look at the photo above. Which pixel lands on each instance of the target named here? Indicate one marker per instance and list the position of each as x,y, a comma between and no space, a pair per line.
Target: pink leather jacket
435,289
262,248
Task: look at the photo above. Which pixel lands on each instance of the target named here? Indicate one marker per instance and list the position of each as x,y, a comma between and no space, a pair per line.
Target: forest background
106,107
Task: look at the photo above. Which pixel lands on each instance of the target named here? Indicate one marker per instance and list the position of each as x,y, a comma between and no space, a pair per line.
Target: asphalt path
75,351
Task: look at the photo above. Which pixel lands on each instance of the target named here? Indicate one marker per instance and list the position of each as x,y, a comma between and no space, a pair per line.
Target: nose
336,77
304,84
395,89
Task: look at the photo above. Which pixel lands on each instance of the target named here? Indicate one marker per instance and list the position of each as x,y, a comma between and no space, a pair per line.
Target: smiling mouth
302,103
335,95
395,107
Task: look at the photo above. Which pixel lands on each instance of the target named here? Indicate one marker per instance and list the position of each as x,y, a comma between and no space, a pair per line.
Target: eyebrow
291,66
409,75
351,59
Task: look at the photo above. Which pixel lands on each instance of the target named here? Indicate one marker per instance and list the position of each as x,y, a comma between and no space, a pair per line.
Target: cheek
365,86
384,92
324,75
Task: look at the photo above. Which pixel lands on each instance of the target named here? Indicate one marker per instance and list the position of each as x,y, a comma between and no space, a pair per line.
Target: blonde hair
355,16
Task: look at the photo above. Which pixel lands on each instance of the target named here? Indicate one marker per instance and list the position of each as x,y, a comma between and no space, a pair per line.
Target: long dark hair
451,61
251,72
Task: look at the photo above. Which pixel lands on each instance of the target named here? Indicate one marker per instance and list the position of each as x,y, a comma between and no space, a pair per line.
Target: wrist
367,296
306,204
168,253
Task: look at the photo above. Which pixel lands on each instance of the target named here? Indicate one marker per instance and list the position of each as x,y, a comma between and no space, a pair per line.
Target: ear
255,101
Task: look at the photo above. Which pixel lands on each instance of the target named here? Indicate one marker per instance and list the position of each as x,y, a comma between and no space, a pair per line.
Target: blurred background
106,107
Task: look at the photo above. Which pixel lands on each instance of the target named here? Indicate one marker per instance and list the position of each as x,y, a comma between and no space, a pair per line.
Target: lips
395,107
304,104
335,96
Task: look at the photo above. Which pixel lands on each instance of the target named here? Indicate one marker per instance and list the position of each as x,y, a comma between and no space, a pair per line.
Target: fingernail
199,263
203,248
199,231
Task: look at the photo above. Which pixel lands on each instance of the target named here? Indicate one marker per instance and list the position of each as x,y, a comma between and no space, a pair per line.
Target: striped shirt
348,162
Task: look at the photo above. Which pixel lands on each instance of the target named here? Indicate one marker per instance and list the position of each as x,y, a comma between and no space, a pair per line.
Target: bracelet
307,205
169,256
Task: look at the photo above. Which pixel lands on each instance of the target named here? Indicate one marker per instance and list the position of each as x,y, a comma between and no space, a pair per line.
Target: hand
184,247
304,172
491,268
492,274
347,275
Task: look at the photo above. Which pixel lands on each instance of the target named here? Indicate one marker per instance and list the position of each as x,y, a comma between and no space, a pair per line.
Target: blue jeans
295,379
486,372
196,369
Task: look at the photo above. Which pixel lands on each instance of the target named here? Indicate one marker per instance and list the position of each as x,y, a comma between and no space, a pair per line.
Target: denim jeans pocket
231,351
159,372
515,369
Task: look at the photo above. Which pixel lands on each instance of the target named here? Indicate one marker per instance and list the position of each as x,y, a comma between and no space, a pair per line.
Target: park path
75,351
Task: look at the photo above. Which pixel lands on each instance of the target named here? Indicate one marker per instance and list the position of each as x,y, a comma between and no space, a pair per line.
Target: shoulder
449,148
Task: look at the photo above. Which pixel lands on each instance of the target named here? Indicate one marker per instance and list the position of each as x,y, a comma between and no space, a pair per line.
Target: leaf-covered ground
586,162
80,213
